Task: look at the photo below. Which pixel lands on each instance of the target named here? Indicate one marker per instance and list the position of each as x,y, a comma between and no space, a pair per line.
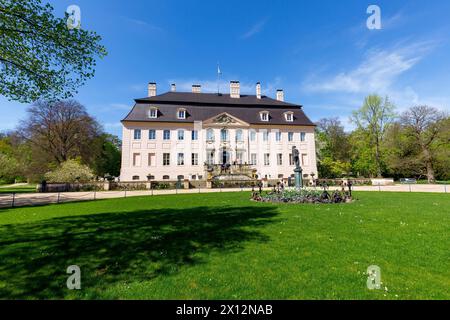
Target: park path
26,199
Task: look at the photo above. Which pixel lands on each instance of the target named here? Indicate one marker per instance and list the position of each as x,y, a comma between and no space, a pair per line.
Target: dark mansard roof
203,106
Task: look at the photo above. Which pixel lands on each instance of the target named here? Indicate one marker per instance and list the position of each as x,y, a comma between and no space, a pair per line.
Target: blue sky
320,52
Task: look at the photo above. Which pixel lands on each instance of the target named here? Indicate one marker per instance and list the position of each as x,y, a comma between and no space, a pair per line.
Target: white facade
171,157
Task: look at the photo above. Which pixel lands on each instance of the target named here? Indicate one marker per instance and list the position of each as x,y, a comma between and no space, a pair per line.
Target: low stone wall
382,182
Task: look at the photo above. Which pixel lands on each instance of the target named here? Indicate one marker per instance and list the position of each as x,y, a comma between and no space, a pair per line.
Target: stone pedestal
298,178
265,183
106,185
148,185
208,184
186,184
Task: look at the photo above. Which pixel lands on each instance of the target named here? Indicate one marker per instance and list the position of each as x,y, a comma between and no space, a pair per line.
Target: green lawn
18,189
223,246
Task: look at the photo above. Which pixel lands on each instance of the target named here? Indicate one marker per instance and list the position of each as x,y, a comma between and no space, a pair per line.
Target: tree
40,57
59,131
70,171
372,119
425,124
108,156
332,149
8,169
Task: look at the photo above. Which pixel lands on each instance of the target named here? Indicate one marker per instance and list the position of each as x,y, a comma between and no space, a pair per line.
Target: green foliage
108,158
333,149
372,120
8,169
40,57
70,171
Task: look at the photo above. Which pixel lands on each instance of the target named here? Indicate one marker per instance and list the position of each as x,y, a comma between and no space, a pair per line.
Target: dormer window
181,114
264,115
153,113
289,116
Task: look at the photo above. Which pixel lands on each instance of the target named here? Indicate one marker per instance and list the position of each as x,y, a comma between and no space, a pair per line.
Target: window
278,136
252,135
137,134
151,159
180,159
135,178
194,135
290,136
265,135
239,157
181,114
253,159
166,177
210,135
302,136
166,135
289,116
264,116
239,137
210,157
280,159
180,134
224,135
151,134
153,113
180,177
304,159
136,159
194,159
266,159
291,159
166,159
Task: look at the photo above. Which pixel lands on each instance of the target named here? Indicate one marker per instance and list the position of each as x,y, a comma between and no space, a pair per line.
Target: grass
223,246
29,188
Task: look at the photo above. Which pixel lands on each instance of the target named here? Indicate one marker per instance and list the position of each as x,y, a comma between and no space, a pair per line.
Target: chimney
280,95
235,91
173,87
152,89
196,88
258,90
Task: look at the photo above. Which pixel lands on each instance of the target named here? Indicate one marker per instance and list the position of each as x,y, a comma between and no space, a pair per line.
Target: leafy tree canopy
40,57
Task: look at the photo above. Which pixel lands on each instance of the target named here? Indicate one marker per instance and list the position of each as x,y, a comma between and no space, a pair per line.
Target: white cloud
256,28
379,70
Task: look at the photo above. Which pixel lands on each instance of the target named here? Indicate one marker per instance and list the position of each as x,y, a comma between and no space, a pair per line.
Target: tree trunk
377,158
429,165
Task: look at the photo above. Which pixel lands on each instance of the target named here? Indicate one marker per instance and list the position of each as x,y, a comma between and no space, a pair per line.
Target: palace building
188,135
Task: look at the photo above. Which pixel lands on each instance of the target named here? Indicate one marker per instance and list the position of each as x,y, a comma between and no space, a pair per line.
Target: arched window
224,135
239,137
135,178
166,177
210,135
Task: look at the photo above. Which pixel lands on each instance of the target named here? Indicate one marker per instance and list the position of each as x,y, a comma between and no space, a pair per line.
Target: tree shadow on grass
113,248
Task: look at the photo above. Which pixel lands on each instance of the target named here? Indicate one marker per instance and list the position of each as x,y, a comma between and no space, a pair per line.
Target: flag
218,70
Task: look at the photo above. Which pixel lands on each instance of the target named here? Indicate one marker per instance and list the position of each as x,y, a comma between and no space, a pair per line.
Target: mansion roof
204,106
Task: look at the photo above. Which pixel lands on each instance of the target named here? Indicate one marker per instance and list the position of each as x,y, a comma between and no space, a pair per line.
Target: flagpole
218,78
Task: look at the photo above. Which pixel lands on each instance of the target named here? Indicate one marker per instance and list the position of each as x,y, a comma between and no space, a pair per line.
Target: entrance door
225,157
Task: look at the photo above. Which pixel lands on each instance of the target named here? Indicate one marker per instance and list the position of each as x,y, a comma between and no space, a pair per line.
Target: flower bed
303,196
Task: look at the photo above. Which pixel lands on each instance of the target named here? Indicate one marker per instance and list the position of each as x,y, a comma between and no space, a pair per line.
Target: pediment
225,119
